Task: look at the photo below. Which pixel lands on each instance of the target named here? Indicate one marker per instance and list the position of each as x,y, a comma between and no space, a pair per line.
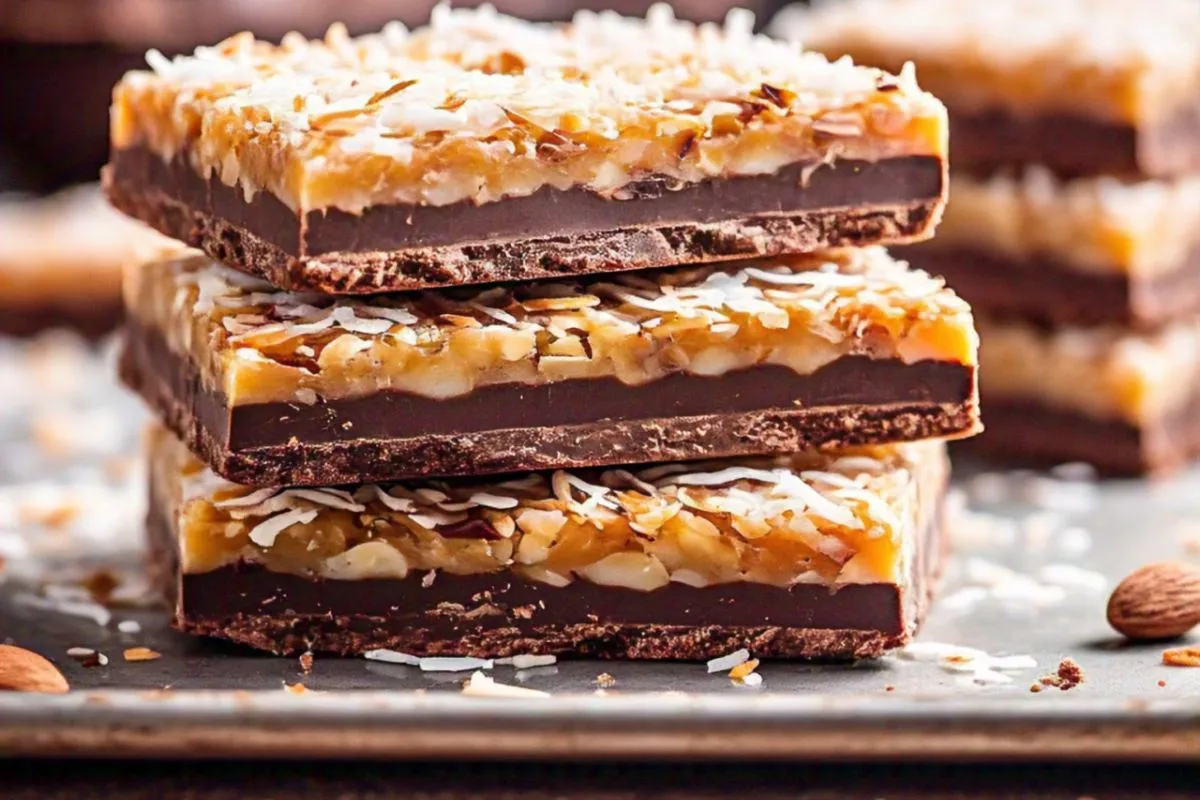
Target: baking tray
1036,555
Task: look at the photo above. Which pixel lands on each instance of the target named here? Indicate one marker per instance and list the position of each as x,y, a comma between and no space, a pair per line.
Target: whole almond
1157,601
24,671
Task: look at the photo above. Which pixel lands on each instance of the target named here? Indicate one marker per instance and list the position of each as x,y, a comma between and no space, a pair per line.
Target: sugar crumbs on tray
1182,656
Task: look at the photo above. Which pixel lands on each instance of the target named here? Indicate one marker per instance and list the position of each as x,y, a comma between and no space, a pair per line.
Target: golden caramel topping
258,344
479,106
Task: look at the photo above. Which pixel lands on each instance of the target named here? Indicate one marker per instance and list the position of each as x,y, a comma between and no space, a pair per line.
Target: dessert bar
483,148
1125,402
61,259
277,388
1081,86
803,556
1088,251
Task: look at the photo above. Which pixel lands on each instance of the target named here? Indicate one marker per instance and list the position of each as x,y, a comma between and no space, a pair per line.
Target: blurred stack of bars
60,257
1074,222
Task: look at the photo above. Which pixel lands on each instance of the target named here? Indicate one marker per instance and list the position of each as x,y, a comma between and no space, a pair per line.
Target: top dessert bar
1082,86
484,148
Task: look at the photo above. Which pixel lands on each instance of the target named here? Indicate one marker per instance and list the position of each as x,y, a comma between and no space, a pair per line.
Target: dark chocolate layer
1050,293
576,423
550,233
1031,431
1073,145
94,320
495,615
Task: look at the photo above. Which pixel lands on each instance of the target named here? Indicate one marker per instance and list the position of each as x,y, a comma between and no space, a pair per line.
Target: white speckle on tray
72,608
129,626
1070,576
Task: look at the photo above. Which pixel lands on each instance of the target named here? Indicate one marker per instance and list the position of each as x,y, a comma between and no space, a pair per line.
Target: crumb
1068,675
1035,688
1161,684
94,660
1182,657
306,662
141,654
101,584
605,681
743,670
296,688
889,688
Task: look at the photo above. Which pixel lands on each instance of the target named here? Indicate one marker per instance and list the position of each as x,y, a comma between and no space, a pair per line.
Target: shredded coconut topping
774,520
1129,58
802,312
1101,224
480,105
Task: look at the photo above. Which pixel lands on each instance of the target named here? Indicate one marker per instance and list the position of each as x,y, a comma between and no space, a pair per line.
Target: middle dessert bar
804,556
1088,251
483,148
273,388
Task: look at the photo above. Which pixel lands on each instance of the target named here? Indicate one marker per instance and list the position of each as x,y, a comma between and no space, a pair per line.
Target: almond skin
1157,601
24,671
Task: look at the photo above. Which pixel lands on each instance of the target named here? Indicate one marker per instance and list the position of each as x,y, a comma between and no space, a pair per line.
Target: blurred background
60,58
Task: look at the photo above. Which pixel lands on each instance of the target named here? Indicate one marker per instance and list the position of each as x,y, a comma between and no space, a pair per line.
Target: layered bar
1126,402
1082,86
804,556
61,259
1088,251
277,388
483,148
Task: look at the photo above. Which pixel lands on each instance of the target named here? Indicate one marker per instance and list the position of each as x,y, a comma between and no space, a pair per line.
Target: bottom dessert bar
1125,402
828,557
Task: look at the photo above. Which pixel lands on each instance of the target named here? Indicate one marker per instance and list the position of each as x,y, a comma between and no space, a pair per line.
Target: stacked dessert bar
1074,225
423,391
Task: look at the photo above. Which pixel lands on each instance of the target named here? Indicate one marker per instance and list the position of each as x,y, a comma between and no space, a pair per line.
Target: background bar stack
1076,209
469,294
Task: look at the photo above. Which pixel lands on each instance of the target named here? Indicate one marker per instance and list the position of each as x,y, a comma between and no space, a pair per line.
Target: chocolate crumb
605,681
1162,684
1068,675
889,688
306,662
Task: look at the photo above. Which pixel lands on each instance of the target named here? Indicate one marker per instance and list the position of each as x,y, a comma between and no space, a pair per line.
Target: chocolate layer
1031,431
1050,293
1073,145
550,233
574,423
495,615
93,321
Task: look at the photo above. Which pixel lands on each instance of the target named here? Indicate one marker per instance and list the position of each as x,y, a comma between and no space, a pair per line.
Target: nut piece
1158,601
24,671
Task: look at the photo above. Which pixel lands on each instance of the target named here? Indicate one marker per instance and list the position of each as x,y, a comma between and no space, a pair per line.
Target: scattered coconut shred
481,685
459,663
980,667
740,666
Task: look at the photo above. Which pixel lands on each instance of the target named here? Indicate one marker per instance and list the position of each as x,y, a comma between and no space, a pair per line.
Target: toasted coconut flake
528,661
264,533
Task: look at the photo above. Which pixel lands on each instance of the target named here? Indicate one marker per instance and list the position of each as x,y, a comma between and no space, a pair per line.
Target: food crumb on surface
1068,675
1182,656
605,681
306,662
141,654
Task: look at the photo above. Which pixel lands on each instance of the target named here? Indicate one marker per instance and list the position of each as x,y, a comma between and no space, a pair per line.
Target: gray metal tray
1035,558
